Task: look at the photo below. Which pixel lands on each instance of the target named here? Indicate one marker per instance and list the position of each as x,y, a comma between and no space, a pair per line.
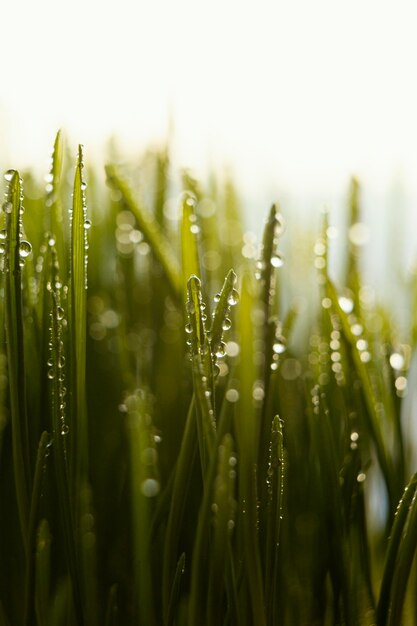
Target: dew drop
60,313
188,329
220,350
227,323
64,429
9,175
150,487
346,304
51,374
3,234
24,249
233,298
83,185
396,361
7,207
280,345
216,298
2,248
277,260
87,224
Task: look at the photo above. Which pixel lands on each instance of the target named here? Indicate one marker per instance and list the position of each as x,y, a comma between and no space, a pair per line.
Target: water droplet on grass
87,224
7,207
60,313
9,175
227,323
346,304
24,249
396,361
233,298
188,329
277,260
280,345
150,488
64,429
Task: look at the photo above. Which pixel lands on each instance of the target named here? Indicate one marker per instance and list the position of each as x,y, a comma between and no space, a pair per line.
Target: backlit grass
173,448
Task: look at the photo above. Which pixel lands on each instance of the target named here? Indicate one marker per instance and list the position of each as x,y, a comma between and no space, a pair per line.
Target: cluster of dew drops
25,247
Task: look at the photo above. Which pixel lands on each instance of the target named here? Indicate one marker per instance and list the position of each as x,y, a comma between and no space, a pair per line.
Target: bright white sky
298,92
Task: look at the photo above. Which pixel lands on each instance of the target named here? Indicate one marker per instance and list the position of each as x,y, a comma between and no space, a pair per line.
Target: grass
174,448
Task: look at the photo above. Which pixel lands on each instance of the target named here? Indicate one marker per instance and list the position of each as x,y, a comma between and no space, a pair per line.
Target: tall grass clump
178,444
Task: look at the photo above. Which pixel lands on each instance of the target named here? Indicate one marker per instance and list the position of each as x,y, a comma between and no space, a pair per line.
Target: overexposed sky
297,92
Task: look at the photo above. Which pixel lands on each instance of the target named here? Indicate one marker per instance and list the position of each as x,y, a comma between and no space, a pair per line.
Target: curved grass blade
17,249
396,537
175,591
160,245
30,604
270,259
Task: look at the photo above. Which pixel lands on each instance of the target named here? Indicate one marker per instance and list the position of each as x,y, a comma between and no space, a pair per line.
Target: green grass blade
145,486
61,431
247,422
183,472
43,573
78,327
224,509
160,245
55,222
396,537
175,591
189,239
14,334
227,297
43,452
370,400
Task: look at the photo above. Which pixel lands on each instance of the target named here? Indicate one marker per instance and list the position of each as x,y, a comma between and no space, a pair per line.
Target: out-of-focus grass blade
43,573
247,421
30,604
371,402
17,249
160,245
389,585
88,557
112,607
189,239
270,259
145,486
175,591
223,507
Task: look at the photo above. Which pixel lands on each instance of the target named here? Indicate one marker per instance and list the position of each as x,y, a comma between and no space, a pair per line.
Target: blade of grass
43,451
175,591
397,531
43,573
77,321
157,240
15,351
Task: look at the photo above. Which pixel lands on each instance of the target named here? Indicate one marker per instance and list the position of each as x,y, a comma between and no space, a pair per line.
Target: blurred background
293,97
